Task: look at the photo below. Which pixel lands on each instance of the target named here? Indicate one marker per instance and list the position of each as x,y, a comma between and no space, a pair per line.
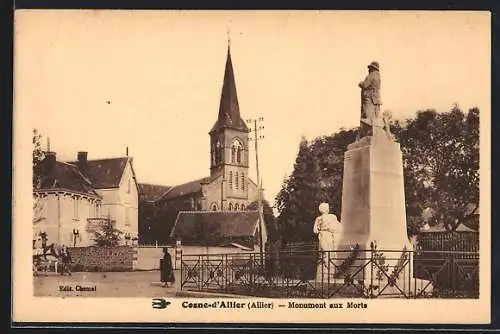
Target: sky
101,81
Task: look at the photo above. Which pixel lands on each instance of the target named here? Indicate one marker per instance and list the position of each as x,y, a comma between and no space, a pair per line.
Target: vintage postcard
251,167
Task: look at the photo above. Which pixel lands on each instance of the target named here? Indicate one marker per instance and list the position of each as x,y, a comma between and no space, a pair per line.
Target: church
227,189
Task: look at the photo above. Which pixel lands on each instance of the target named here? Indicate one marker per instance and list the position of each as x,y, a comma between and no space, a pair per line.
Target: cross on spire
228,31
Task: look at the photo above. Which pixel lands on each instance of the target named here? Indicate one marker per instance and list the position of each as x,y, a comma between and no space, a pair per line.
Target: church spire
229,110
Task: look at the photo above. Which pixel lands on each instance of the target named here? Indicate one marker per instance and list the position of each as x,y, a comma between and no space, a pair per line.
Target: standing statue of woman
328,229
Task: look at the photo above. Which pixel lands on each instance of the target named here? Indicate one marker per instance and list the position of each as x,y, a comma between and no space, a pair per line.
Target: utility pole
256,138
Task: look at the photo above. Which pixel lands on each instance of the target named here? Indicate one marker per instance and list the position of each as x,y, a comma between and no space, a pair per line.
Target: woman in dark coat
166,270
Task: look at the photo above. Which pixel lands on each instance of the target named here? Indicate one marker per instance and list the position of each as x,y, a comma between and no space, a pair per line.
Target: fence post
182,280
370,288
410,267
452,273
224,272
252,285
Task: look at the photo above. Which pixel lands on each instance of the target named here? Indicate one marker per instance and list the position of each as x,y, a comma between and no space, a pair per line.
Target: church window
242,207
214,207
231,180
236,207
230,206
213,155
236,149
218,152
236,181
242,181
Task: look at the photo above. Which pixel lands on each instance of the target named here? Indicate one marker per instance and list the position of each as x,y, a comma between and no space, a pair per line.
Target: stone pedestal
373,210
373,199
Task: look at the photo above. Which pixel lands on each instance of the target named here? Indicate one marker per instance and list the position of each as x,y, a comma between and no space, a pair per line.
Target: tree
106,233
441,162
329,151
38,157
269,219
300,196
441,173
165,216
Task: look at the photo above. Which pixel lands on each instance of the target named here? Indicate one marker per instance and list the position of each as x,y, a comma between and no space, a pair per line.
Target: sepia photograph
251,166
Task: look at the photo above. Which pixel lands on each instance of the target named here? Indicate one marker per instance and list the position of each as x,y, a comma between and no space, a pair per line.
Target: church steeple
229,110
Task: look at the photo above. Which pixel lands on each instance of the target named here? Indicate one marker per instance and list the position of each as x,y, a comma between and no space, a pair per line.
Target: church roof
188,188
189,224
152,192
105,173
229,110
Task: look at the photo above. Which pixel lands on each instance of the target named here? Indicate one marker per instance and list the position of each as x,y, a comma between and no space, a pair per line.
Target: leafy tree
106,233
329,151
441,162
149,230
269,218
38,156
165,214
441,171
300,196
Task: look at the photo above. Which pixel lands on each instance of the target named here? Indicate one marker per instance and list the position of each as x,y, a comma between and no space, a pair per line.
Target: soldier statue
370,101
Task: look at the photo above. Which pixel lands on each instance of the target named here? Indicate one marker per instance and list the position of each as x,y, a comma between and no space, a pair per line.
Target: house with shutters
72,195
226,189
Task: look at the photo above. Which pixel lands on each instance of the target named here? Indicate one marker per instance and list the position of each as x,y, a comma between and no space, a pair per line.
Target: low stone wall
148,258
119,258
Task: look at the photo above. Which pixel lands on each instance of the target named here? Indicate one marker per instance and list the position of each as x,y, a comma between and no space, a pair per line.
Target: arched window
236,181
230,179
238,155
236,149
214,207
218,152
242,181
242,207
236,207
230,206
214,161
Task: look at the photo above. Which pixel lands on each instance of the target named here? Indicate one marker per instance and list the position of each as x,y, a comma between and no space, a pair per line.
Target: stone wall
107,259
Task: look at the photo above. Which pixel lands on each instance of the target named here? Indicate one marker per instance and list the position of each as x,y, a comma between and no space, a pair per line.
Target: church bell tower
229,142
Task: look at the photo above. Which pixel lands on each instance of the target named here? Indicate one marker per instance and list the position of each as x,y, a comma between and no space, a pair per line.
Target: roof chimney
82,161
50,160
82,157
